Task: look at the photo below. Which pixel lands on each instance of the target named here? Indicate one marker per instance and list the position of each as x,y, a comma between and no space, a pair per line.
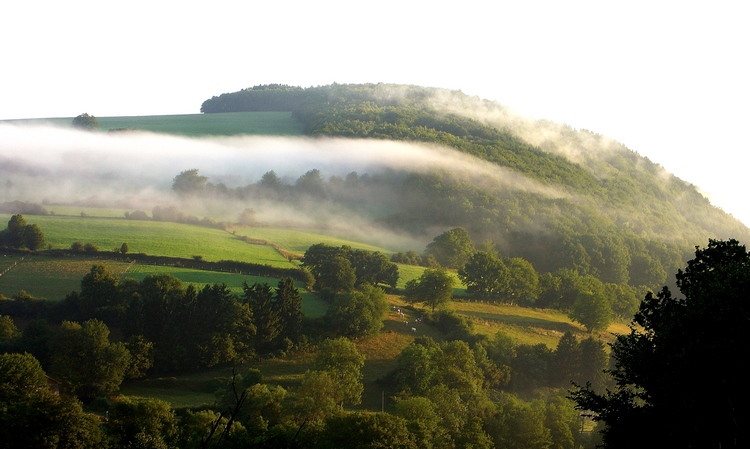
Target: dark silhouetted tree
85,359
680,372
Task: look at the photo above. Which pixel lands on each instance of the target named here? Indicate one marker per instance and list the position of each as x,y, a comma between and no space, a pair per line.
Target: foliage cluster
20,234
343,269
86,122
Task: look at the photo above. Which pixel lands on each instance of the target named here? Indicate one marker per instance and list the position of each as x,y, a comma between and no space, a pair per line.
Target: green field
153,238
222,124
297,242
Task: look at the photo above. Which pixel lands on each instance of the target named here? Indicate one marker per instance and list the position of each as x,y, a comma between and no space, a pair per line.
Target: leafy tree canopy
86,122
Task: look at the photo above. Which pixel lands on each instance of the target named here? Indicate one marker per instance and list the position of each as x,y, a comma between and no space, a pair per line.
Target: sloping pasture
154,238
297,242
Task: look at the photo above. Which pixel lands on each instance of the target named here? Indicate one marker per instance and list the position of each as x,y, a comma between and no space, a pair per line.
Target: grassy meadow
153,238
222,124
297,242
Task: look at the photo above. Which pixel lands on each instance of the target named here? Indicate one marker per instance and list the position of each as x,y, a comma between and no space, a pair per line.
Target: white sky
668,79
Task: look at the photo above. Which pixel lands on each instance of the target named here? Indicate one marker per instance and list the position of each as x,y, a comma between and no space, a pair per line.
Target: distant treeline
552,234
22,207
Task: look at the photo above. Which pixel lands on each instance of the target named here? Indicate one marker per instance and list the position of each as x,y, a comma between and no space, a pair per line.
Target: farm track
12,266
254,241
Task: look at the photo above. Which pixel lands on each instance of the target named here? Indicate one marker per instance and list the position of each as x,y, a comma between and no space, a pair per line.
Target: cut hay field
221,124
153,238
51,278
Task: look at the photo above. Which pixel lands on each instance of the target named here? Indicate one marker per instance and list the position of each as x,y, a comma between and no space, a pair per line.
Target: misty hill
559,197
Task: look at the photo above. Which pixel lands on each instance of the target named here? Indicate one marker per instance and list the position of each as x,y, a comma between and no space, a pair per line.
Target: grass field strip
130,265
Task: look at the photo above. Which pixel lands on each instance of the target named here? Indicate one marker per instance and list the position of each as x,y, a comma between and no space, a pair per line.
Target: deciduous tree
485,275
359,313
86,122
341,360
433,288
85,359
452,248
593,311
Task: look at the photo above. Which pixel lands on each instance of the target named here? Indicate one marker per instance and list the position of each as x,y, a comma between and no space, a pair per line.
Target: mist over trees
585,233
615,216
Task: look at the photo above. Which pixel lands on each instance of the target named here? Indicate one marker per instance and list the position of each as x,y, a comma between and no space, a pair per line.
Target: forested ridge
613,214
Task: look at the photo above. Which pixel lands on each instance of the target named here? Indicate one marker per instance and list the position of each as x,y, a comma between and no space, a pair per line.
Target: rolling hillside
566,198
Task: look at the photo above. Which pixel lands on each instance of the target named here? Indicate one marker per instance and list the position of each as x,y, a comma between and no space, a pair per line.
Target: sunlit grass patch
154,238
297,242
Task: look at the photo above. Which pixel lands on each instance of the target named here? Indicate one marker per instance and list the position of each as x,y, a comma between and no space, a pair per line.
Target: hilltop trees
189,182
680,372
86,122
